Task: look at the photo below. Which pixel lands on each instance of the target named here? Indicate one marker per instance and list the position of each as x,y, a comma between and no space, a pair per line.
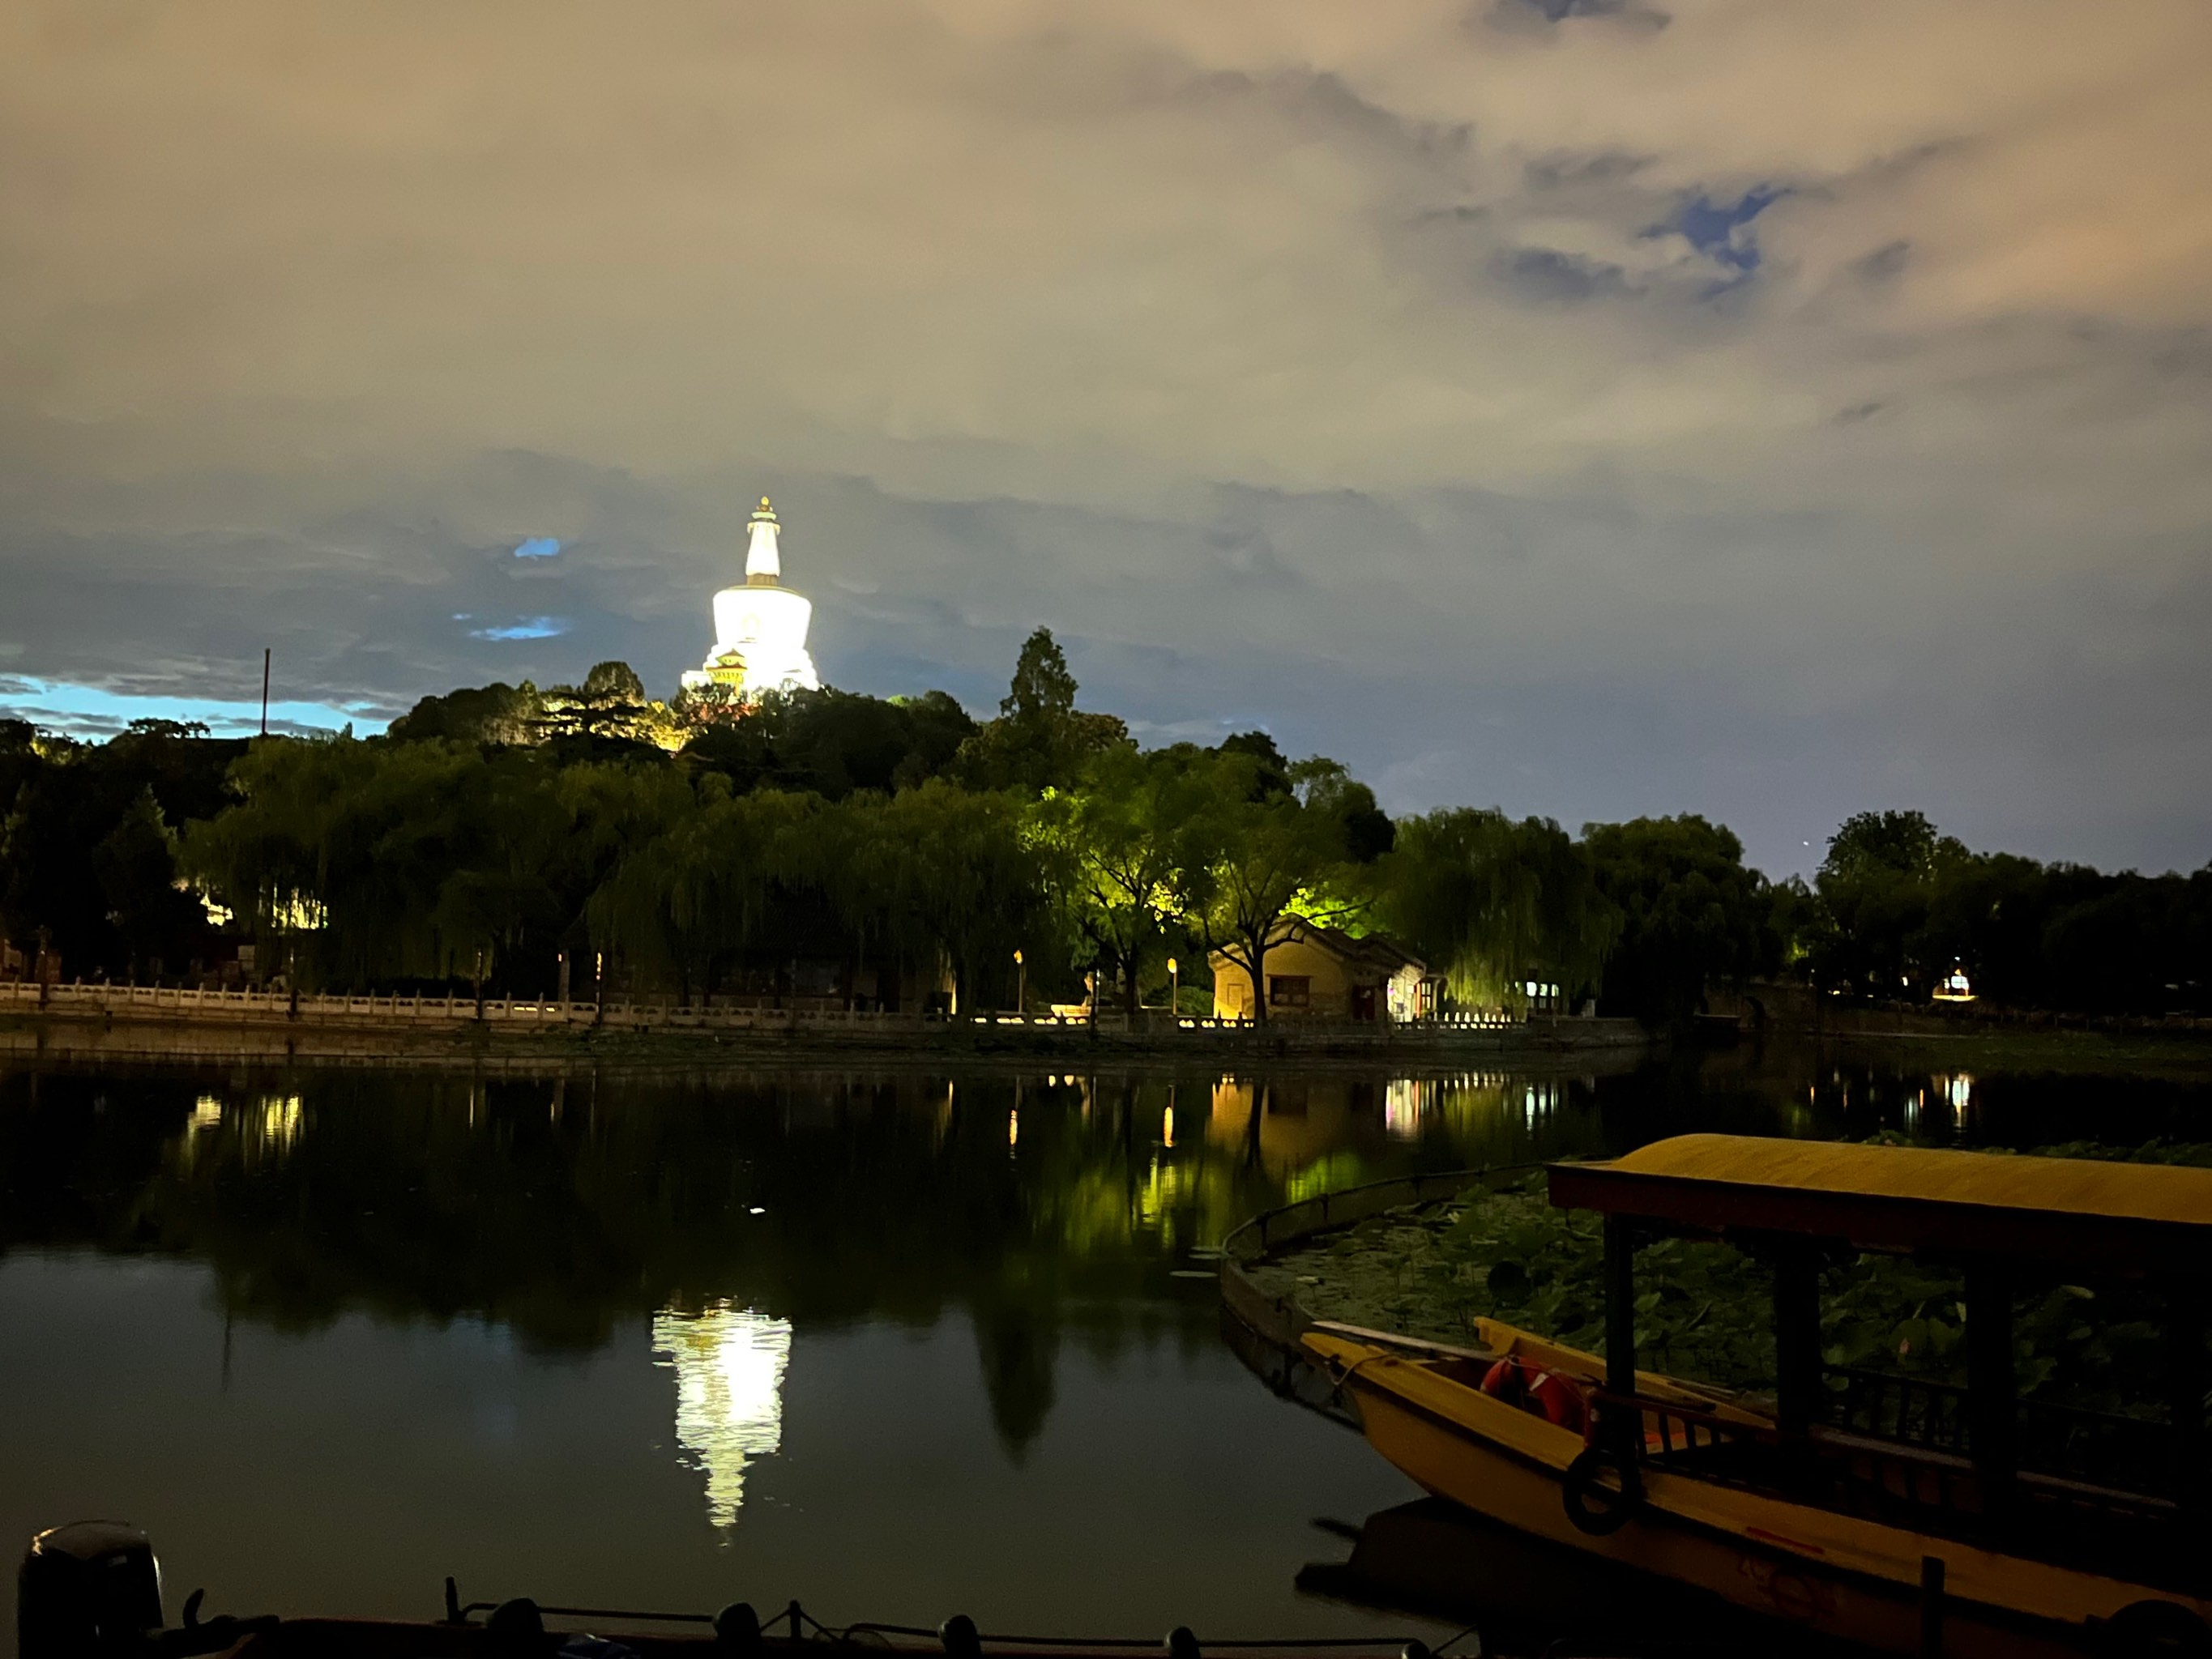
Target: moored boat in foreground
1907,1514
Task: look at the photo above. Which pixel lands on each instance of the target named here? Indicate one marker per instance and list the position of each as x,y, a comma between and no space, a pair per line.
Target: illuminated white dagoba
760,629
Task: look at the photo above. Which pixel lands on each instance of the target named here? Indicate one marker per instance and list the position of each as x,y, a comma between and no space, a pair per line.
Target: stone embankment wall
119,1018
1778,1007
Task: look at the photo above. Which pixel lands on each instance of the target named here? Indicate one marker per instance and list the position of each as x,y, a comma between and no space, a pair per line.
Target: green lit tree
1493,902
1249,857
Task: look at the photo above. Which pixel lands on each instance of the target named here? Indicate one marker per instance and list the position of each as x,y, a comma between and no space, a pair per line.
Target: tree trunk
1256,966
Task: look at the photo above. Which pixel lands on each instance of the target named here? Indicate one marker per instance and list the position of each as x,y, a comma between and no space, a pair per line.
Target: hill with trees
711,847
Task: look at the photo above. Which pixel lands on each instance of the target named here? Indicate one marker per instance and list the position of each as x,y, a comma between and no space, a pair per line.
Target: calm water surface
895,1346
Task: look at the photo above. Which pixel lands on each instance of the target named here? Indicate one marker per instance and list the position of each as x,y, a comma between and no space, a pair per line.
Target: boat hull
1838,1575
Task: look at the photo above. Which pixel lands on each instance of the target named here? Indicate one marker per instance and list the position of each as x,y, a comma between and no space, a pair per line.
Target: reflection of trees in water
1019,1343
567,1212
570,1211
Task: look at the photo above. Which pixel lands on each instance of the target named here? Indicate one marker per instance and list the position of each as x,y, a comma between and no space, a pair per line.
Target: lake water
897,1345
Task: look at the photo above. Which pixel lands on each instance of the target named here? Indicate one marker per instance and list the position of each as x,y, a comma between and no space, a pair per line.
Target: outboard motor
89,1588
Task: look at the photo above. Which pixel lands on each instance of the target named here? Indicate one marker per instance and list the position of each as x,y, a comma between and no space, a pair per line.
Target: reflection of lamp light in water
1401,1110
1013,1130
729,1364
1167,1127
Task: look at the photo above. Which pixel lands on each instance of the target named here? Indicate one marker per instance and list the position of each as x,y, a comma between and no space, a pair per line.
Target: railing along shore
164,1003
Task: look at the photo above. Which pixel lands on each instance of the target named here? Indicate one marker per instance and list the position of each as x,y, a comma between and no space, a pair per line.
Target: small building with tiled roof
1314,972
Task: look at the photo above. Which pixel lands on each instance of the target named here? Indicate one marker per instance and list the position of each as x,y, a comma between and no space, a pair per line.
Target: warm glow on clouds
1769,410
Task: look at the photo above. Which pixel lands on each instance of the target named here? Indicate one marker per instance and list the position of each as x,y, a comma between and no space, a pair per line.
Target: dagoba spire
763,563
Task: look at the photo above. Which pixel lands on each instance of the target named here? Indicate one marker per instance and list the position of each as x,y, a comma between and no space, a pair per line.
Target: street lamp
1021,985
1175,988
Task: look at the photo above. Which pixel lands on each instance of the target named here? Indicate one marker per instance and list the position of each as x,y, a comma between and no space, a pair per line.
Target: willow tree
365,862
957,874
335,851
1495,902
1115,846
705,885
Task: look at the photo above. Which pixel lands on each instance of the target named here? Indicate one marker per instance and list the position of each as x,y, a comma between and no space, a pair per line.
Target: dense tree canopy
1492,904
1897,906
89,844
906,852
1691,915
1041,740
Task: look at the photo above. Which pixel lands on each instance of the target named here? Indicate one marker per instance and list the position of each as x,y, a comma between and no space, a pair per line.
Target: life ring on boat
1595,1507
1559,1399
1507,1379
1556,1399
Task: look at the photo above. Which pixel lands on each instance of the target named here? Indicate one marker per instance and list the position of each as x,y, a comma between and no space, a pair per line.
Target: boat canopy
2122,1218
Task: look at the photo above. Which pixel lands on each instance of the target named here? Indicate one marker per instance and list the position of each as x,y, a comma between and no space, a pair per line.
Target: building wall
1329,989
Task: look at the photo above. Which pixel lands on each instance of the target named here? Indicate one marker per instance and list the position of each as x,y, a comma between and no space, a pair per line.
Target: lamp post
598,985
1175,989
1021,985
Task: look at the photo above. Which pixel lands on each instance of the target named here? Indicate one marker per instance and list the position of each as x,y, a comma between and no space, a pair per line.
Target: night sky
1586,407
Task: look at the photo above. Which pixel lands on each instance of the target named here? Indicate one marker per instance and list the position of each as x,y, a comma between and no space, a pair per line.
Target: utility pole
264,690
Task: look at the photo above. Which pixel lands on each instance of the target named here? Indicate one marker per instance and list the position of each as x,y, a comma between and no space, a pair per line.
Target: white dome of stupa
760,629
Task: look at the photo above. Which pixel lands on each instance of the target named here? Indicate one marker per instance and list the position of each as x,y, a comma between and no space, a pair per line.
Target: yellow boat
1902,1513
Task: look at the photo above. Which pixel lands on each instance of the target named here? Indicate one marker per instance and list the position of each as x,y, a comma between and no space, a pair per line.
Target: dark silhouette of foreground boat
1900,1512
1526,1596
92,1590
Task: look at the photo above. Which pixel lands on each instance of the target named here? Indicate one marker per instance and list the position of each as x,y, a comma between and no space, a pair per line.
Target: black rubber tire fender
1583,1481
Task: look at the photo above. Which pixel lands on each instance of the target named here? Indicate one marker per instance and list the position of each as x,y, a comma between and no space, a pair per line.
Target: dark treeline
898,853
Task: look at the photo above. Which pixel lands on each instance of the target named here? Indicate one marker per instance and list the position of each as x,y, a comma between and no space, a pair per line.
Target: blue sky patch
538,547
1721,230
530,627
91,711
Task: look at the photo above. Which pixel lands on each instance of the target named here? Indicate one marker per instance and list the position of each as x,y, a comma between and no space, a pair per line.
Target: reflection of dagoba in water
729,1365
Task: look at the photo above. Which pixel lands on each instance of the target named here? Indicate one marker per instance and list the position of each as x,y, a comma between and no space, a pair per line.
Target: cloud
1544,273
1681,382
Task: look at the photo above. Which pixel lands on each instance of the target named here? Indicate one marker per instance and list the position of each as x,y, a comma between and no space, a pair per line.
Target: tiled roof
1377,951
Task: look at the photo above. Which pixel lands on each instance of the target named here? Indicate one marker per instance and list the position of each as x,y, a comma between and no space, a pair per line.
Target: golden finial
764,503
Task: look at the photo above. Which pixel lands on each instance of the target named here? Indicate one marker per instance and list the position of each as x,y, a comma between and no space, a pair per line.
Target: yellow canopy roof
2134,1217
